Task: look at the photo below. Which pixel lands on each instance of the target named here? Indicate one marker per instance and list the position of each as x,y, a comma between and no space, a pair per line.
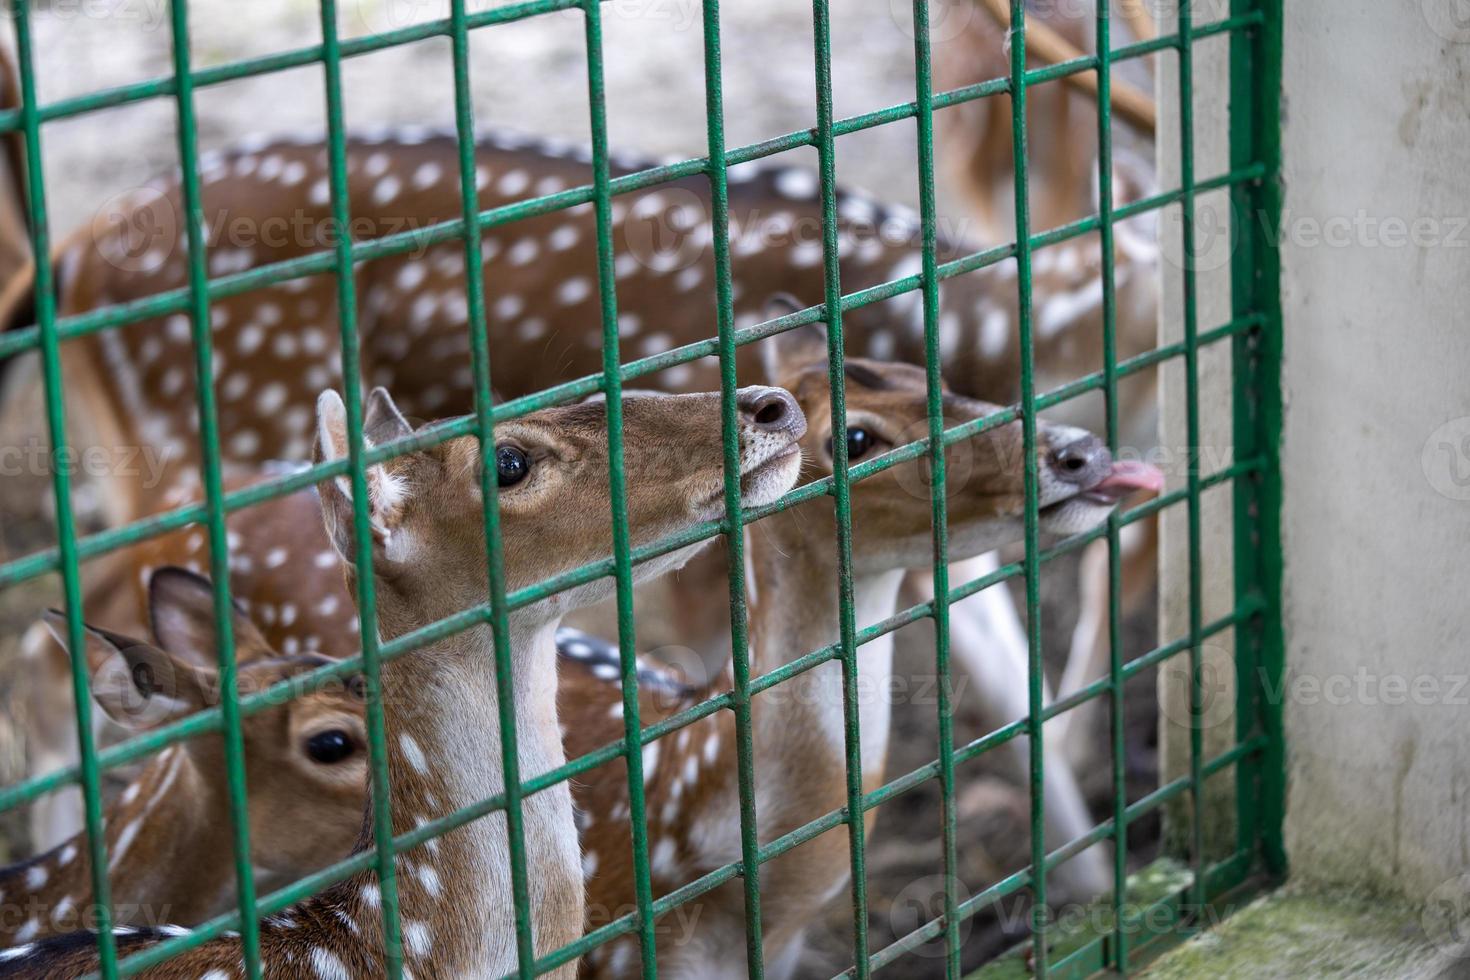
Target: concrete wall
1376,450
1376,454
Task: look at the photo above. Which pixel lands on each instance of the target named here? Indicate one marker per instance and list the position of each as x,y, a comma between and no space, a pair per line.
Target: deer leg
1088,659
988,641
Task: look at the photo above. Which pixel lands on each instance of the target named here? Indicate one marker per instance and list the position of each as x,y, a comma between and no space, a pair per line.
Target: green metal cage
1253,30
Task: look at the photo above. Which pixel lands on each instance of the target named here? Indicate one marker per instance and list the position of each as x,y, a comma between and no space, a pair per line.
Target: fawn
116,594
440,702
169,852
690,778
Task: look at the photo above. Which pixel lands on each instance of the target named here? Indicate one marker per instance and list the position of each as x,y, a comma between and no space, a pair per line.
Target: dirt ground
532,76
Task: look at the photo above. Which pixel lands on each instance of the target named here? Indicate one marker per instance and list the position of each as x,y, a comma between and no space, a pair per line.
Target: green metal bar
734,527
1036,679
1192,424
165,86
66,530
1255,135
172,301
1104,43
939,519
622,546
343,254
832,300
499,613
219,555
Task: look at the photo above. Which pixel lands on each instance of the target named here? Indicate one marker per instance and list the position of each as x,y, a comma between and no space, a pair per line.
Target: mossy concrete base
1294,933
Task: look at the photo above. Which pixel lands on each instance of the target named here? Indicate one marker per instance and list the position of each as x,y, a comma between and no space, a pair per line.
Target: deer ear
793,349
181,611
136,684
381,420
385,490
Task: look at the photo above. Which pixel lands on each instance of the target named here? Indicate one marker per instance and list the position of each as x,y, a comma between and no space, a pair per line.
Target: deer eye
330,746
511,465
860,442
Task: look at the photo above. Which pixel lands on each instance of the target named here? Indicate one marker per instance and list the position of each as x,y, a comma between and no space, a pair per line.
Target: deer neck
442,714
796,610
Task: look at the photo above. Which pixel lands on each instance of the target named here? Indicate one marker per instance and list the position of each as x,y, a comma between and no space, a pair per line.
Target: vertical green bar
464,120
1031,564
949,816
219,556
1104,42
1255,137
1191,397
382,817
66,528
832,299
612,384
734,528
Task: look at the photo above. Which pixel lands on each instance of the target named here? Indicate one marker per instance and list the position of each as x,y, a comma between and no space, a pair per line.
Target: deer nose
1081,459
771,410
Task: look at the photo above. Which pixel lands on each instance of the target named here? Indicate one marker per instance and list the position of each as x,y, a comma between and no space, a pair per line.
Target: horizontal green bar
170,301
103,542
281,61
163,87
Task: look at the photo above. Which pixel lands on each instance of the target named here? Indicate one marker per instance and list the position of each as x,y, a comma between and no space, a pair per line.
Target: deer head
887,406
552,471
168,841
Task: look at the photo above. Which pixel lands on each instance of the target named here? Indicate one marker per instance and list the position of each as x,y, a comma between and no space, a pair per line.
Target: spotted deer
440,702
974,142
116,595
168,836
690,777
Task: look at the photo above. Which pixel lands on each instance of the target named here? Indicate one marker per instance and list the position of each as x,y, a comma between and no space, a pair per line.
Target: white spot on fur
513,182
661,861
574,290
995,328
797,184
650,761
429,879
427,175
327,966
416,937
413,753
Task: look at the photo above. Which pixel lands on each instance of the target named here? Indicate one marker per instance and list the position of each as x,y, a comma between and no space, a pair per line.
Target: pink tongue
1127,477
